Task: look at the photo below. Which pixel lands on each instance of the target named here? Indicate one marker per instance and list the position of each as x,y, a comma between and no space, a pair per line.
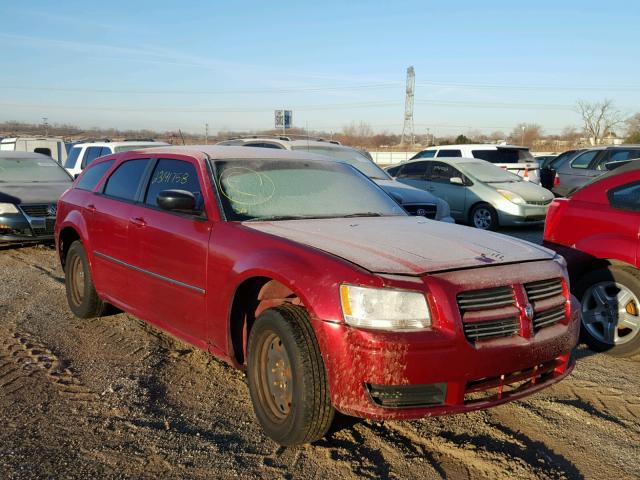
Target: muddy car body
368,310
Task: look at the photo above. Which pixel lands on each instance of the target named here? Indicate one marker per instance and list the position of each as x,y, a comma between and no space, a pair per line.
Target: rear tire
484,217
82,297
610,299
287,377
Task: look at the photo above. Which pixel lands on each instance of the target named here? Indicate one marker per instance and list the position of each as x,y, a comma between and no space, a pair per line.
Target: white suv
515,159
82,154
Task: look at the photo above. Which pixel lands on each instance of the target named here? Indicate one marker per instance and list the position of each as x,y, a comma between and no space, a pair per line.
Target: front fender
601,246
74,219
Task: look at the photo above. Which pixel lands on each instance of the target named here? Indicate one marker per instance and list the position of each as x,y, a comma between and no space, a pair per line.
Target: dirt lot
112,397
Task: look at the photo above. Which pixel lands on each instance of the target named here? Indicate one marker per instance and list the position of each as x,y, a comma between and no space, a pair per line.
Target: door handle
137,221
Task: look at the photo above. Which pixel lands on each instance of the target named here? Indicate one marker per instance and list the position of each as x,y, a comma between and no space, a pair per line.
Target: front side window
584,160
171,174
449,153
72,157
442,173
125,180
92,175
414,170
425,154
92,153
626,197
279,189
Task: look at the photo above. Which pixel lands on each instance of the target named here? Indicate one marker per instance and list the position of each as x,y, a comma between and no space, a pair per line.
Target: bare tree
599,118
526,133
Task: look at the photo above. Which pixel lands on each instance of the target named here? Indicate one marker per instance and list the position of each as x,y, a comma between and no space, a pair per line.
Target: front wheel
484,217
611,310
287,378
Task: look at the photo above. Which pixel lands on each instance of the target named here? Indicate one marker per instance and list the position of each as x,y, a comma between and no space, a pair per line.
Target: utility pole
522,141
206,133
407,129
46,126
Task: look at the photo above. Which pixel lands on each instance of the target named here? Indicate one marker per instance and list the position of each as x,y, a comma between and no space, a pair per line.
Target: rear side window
441,172
626,197
92,176
503,155
584,160
425,154
173,175
393,171
415,170
72,157
92,153
449,153
125,180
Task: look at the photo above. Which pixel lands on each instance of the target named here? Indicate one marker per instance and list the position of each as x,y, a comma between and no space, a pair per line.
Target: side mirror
456,181
177,200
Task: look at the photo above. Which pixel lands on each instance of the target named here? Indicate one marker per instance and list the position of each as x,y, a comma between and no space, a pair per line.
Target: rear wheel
287,378
611,310
81,294
484,217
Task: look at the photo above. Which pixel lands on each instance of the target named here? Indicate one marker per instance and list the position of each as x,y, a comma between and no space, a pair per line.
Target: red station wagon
309,276
597,229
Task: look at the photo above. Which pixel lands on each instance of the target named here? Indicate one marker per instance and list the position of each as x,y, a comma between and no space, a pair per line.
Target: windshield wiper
312,217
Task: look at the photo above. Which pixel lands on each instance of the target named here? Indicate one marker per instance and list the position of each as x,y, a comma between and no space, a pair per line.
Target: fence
389,158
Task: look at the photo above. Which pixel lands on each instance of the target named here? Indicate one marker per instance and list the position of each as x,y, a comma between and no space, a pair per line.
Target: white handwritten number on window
170,177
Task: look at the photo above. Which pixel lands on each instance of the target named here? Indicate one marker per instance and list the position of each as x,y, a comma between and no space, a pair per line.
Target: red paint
215,257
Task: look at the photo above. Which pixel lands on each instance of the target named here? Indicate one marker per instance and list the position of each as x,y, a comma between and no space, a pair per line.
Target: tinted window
449,153
72,157
626,197
124,181
262,145
560,159
503,155
585,159
415,170
173,175
425,154
92,175
393,170
44,151
92,153
441,172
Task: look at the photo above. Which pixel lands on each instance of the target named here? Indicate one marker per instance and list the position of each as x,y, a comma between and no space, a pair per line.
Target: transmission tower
407,129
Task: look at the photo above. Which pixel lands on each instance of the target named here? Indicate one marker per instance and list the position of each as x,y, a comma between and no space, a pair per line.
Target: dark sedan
30,185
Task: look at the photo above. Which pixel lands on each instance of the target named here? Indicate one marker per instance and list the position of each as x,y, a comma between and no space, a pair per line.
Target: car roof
14,155
452,160
233,152
118,144
474,145
297,142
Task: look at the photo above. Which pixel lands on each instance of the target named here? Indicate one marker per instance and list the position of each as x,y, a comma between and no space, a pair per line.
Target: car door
577,172
108,223
625,203
438,182
170,251
414,174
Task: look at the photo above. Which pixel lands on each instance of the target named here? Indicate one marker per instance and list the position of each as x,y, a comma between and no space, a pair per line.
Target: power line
614,88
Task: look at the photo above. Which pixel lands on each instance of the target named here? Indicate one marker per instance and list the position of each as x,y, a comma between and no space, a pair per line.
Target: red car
597,229
309,276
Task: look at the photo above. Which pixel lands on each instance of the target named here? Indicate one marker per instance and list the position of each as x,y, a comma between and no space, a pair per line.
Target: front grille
548,318
48,229
485,299
36,210
543,289
541,203
428,210
505,327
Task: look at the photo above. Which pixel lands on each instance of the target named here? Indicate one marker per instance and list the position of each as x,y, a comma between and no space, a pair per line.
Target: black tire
299,411
484,217
82,297
594,333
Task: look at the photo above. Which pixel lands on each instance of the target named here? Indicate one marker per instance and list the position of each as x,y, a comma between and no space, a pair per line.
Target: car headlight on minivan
8,208
384,308
512,197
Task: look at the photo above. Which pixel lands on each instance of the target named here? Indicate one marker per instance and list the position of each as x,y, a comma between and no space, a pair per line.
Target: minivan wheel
287,378
484,217
82,297
611,310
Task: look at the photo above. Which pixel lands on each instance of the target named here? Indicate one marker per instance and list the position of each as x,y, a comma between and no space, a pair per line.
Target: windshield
350,156
504,155
487,173
285,189
72,157
29,170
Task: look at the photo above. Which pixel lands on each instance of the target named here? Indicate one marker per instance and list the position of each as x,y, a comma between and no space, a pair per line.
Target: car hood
527,190
408,193
32,192
404,244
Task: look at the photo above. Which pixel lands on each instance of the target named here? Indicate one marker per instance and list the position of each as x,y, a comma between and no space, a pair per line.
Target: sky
169,65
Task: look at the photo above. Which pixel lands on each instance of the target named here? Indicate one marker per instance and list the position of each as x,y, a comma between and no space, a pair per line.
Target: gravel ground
115,398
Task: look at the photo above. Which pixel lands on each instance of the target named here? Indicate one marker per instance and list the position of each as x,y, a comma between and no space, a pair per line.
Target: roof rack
286,138
139,140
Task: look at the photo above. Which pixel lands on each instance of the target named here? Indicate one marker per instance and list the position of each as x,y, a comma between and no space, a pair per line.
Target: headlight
383,308
8,208
512,197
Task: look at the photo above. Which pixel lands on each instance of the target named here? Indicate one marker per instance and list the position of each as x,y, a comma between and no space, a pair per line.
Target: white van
50,146
82,154
515,159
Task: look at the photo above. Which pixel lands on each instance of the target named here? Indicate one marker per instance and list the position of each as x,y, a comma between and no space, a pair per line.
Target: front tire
287,378
610,299
82,297
484,217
